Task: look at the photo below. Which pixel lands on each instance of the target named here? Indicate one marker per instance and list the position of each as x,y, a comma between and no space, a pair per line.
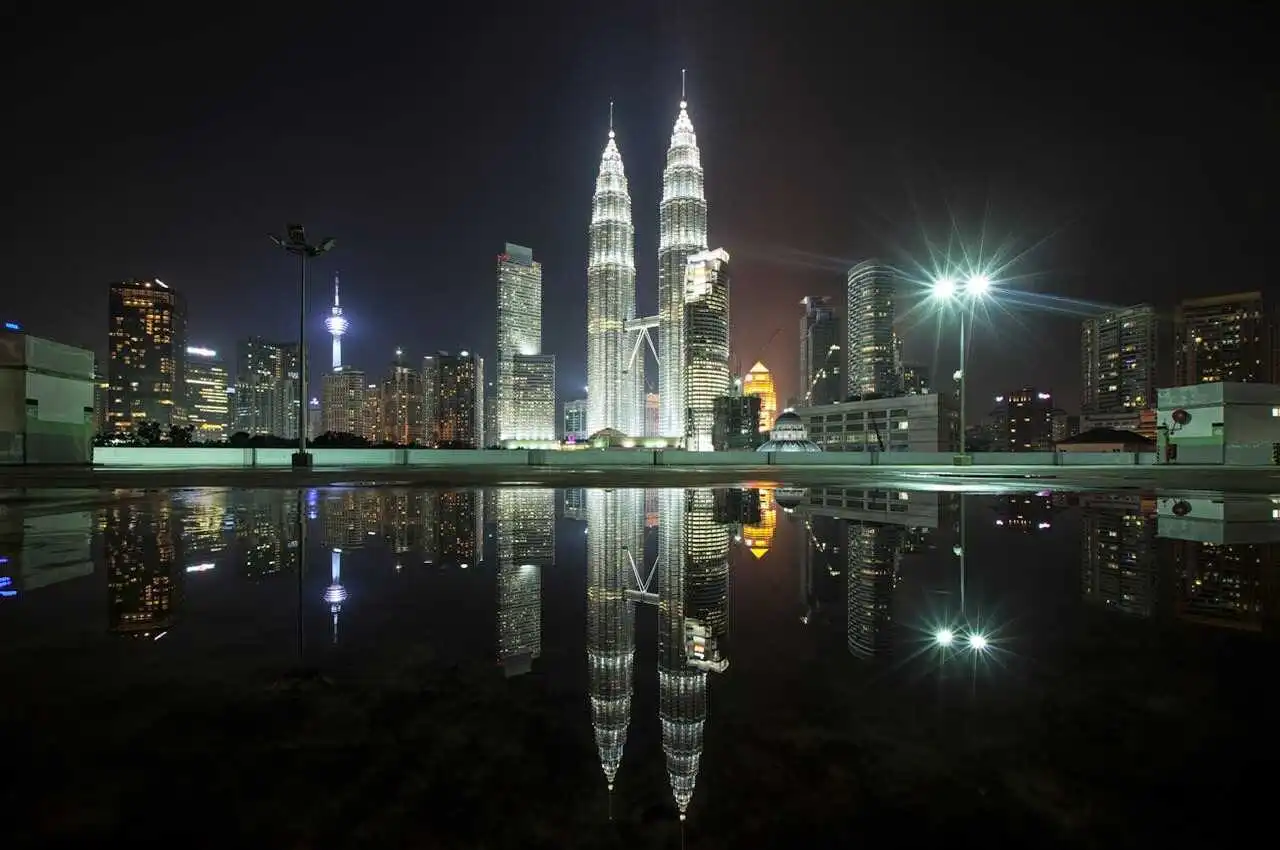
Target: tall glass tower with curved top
614,383
682,231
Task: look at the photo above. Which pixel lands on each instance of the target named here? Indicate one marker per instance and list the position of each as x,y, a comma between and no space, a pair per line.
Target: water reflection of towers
615,554
692,598
140,545
693,619
526,543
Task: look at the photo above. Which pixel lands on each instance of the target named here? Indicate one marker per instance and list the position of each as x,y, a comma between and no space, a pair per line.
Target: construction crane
760,354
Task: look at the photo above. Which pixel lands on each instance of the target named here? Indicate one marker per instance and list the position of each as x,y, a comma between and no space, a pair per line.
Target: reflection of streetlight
972,289
978,642
296,243
944,637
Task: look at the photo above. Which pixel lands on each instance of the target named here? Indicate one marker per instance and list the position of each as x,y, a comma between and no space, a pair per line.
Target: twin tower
616,336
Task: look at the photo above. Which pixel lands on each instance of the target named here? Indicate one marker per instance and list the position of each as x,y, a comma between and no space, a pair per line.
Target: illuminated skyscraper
146,338
336,324
759,382
459,400
342,402
682,232
870,349
402,405
262,371
706,344
1122,355
206,401
520,334
614,384
615,540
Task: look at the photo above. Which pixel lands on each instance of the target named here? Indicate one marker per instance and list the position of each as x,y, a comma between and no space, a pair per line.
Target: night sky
1125,155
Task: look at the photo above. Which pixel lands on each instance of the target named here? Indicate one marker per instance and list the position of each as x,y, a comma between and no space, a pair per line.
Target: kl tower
336,324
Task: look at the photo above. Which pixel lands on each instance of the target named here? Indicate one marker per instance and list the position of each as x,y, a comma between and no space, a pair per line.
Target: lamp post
296,243
968,292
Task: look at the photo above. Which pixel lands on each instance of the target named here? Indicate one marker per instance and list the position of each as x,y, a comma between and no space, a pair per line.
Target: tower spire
335,289
683,99
611,119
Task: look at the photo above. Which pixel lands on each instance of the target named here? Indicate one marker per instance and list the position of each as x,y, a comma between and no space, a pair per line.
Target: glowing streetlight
978,642
946,289
944,637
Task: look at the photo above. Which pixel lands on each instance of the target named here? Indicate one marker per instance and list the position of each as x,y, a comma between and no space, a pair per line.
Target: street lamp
968,291
296,243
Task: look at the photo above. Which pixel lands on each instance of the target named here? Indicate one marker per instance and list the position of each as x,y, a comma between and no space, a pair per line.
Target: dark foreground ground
825,751
19,482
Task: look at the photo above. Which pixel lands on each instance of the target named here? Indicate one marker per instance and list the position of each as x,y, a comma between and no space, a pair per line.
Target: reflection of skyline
615,554
759,535
693,618
880,526
873,550
140,547
1118,552
1025,512
525,529
1204,567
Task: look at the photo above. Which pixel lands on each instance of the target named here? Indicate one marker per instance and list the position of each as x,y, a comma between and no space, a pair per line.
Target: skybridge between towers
641,327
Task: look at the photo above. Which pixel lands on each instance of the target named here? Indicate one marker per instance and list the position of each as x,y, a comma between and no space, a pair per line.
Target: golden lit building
759,536
146,340
759,382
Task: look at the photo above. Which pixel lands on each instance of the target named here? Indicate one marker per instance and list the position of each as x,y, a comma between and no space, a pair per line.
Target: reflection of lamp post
946,289
296,243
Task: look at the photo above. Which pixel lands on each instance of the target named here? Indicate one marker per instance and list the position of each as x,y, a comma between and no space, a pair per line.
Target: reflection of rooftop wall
130,456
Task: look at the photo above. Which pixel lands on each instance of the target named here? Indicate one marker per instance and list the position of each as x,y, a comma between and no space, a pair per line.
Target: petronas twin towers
615,334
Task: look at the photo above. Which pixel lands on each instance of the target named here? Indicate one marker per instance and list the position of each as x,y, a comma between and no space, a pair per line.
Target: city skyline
796,181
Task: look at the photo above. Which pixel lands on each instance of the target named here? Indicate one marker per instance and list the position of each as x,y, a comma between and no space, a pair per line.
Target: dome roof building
789,435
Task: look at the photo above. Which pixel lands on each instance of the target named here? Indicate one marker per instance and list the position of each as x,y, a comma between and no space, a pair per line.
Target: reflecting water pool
638,667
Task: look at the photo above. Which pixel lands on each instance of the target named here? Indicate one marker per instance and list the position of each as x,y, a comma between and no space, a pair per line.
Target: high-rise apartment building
682,232
292,394
1028,416
576,416
1225,338
342,403
870,337
430,374
614,384
402,404
459,385
759,382
1121,354
206,406
146,338
520,334
821,353
267,396
706,344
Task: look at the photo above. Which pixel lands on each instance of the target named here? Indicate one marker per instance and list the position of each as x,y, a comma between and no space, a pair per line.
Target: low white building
1226,423
46,401
911,423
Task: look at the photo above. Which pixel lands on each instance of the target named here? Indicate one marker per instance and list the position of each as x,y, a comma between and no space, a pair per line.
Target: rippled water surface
638,668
